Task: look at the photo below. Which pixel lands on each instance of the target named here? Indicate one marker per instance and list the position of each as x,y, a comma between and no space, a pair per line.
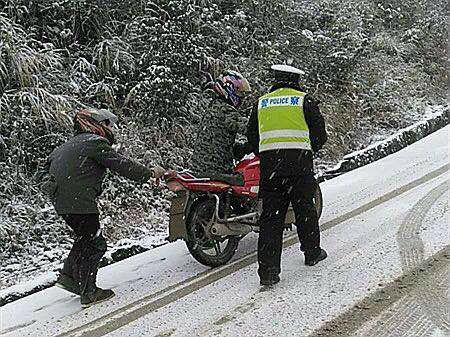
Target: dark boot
270,280
92,253
96,296
70,266
313,259
68,283
91,294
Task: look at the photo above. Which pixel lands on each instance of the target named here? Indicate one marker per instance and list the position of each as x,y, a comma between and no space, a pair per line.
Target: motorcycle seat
232,179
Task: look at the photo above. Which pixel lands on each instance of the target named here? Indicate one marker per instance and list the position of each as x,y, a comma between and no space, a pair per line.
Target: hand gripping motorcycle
212,214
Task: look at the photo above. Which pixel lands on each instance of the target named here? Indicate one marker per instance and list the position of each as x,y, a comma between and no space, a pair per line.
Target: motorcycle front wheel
207,251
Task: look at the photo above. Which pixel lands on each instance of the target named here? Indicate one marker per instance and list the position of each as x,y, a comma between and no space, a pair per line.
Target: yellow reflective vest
281,120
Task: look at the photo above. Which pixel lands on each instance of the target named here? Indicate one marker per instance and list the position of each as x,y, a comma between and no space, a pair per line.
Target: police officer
76,170
286,127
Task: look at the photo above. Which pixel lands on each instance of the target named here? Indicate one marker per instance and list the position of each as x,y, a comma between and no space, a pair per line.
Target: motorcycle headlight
175,186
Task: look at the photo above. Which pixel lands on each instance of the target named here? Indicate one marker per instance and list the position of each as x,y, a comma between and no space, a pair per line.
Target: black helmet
286,75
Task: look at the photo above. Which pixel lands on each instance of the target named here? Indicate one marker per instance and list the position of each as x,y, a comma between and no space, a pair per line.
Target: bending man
76,172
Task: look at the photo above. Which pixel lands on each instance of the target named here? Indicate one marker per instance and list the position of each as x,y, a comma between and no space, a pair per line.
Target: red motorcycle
212,214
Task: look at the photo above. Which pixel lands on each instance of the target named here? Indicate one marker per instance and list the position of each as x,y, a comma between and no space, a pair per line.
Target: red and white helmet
237,80
232,87
97,121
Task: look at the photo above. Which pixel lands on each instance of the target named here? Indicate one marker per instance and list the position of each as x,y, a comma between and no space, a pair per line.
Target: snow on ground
50,260
364,255
361,260
45,256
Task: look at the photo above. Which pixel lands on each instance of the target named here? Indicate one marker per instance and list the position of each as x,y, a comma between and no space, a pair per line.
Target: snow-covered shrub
33,104
173,37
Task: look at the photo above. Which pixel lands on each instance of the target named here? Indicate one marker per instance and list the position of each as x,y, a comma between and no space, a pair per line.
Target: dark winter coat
77,169
289,162
216,135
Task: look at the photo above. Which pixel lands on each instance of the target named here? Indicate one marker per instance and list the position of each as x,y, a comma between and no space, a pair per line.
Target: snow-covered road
385,227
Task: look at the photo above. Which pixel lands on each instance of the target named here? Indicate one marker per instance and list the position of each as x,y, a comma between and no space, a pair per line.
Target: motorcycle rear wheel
207,251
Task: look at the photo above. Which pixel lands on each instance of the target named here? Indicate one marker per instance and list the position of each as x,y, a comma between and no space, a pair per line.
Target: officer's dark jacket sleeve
105,155
316,124
253,131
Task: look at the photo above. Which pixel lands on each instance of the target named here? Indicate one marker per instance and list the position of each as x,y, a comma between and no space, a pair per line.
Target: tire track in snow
432,297
425,310
418,298
133,311
373,305
254,303
412,256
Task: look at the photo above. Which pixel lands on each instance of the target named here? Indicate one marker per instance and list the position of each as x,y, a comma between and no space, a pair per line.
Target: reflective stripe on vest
281,120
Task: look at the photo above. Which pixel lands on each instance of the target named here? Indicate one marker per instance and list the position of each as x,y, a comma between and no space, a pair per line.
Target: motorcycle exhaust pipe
221,229
232,219
231,226
241,217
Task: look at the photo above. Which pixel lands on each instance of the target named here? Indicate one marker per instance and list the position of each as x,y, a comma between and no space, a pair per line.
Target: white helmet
284,74
284,68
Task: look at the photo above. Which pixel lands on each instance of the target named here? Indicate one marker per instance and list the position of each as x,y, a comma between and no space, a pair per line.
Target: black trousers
276,194
88,249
